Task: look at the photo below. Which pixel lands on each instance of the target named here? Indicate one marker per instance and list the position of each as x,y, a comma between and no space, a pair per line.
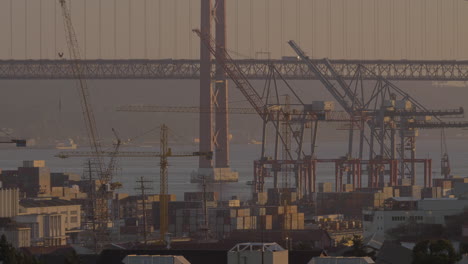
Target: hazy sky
383,29
348,29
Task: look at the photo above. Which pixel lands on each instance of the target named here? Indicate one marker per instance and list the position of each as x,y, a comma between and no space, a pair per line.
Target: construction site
303,199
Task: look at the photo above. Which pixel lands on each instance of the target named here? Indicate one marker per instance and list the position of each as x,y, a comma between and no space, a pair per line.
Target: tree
7,251
435,252
358,248
8,254
73,258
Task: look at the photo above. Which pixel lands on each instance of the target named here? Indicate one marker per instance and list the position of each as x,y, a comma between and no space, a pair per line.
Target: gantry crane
100,217
387,119
163,155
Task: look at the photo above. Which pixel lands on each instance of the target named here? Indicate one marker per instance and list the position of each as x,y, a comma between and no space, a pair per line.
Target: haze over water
242,156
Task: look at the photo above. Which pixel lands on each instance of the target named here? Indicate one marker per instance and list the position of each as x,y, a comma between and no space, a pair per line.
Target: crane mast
99,213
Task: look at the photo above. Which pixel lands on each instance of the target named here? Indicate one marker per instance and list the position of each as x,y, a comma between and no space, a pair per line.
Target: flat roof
30,203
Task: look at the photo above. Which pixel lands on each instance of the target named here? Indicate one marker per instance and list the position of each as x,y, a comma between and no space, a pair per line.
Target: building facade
51,220
9,203
404,210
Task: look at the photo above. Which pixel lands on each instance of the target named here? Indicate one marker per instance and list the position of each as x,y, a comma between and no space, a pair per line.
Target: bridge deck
253,69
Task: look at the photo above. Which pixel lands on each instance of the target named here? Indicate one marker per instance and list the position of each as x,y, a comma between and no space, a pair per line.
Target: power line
252,52
26,29
298,21
115,29
440,29
159,28
237,25
85,19
267,25
376,29
189,31
392,18
55,30
330,42
424,29
11,29
361,30
129,29
408,28
457,49
282,27
40,29
345,29
343,11
100,28
145,10
455,28
176,18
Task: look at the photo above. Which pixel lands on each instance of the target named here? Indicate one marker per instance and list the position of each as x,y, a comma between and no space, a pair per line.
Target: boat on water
254,142
68,144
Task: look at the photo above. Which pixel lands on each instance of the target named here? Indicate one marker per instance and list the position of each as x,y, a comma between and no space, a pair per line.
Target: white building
154,259
399,210
253,253
51,220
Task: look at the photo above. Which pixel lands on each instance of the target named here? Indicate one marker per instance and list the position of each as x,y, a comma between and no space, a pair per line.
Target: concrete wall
9,202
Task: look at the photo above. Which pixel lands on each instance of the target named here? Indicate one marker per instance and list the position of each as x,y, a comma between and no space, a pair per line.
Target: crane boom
98,198
234,72
130,154
332,89
78,71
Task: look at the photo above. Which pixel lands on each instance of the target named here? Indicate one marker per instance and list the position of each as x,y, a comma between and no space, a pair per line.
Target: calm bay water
242,157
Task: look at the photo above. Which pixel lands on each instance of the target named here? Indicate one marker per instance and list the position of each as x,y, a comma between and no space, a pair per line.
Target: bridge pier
219,99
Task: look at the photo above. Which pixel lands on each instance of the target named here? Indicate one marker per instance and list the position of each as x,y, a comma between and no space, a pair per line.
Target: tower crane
163,155
445,169
100,212
294,114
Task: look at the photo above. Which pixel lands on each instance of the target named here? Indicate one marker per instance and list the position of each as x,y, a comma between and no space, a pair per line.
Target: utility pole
205,209
163,196
142,188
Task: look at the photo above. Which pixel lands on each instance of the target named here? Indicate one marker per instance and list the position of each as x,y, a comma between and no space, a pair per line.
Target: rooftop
30,203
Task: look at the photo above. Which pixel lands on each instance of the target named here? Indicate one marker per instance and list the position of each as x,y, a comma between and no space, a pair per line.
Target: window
74,219
74,212
398,218
416,218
